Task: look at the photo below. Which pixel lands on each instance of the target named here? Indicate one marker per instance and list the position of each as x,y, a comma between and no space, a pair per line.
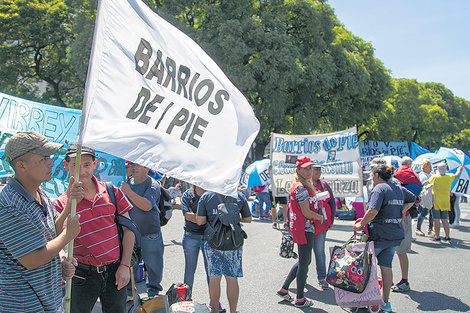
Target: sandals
323,284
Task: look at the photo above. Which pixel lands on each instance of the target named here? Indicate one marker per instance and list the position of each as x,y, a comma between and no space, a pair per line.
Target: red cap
126,163
303,161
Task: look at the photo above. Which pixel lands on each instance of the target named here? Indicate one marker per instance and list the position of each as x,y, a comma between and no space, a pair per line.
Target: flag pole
73,209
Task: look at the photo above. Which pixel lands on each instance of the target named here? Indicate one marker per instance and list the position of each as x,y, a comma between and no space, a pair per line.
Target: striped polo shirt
27,225
98,242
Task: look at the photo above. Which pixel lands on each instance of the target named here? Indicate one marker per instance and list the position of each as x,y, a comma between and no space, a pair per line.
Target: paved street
438,276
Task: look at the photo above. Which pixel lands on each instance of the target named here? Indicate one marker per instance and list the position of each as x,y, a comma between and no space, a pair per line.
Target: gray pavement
440,281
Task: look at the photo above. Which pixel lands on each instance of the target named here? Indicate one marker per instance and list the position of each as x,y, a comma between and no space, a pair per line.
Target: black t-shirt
388,199
209,201
189,205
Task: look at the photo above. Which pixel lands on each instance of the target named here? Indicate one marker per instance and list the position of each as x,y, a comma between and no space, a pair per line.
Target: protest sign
337,152
369,148
154,97
57,124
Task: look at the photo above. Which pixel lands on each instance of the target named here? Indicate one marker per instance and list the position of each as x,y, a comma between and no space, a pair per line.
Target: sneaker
431,233
434,238
400,287
221,307
419,233
386,308
274,225
303,303
447,239
455,224
285,295
323,284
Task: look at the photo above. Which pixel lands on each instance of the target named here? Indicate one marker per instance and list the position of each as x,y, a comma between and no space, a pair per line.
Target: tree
296,64
426,113
35,38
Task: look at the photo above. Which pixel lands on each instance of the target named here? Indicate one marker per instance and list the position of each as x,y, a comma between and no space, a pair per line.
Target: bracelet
125,265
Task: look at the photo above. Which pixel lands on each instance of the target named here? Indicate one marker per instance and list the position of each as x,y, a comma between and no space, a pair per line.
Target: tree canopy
297,64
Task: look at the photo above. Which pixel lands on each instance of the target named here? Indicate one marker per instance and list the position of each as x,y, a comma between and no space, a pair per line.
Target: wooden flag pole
73,209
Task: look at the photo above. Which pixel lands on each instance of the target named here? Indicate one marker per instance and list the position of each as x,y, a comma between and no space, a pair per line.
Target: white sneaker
455,224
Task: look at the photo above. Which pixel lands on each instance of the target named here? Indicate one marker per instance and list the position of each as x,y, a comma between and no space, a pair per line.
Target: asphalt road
439,279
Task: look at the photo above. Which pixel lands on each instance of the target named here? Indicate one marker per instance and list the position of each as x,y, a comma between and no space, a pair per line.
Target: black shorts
280,200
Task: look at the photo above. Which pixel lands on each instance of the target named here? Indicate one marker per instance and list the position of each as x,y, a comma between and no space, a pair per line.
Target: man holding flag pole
103,270
32,234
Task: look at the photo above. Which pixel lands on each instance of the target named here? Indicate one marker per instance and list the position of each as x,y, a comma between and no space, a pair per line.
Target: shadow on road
455,244
173,243
313,294
430,301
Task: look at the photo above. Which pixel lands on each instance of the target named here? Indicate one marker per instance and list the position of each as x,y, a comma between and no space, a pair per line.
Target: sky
426,40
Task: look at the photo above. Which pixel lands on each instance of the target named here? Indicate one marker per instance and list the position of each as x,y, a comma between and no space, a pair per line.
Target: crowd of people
34,230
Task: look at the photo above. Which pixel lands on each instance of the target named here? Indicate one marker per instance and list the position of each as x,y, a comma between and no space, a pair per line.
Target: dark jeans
452,209
300,269
422,214
88,286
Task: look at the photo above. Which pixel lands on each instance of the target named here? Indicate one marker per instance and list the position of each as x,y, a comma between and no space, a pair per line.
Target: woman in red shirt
303,205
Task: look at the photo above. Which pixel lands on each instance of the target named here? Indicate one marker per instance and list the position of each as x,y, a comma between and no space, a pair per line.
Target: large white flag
154,97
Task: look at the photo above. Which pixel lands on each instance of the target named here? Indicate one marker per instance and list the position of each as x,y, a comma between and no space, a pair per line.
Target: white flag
154,97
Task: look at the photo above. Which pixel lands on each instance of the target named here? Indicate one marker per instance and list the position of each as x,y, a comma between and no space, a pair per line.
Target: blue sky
424,40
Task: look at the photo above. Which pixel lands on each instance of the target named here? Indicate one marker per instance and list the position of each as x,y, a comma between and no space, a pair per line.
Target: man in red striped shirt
101,272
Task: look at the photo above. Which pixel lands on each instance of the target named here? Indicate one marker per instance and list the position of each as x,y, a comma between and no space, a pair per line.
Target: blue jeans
152,254
263,198
88,286
300,269
192,244
319,251
422,215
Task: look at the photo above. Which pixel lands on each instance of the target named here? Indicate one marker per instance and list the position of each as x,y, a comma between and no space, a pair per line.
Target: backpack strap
110,189
122,220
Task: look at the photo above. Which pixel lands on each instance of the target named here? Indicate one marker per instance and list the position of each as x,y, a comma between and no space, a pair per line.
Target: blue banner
416,150
57,124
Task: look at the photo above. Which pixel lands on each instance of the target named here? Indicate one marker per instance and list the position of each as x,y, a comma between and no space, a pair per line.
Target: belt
96,269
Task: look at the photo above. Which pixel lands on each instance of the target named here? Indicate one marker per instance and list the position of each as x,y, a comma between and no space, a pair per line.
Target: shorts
384,251
227,263
405,246
440,215
280,200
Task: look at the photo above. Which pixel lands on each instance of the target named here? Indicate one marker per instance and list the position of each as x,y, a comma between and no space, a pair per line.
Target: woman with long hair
303,205
327,207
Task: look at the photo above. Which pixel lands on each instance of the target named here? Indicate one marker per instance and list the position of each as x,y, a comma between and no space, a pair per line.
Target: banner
416,150
398,148
57,124
154,97
338,153
454,158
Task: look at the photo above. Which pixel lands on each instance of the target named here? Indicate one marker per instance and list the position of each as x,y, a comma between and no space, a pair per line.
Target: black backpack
164,206
287,246
178,292
225,232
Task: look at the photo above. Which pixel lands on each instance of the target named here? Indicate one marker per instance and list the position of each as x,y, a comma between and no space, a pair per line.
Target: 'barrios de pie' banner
337,152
